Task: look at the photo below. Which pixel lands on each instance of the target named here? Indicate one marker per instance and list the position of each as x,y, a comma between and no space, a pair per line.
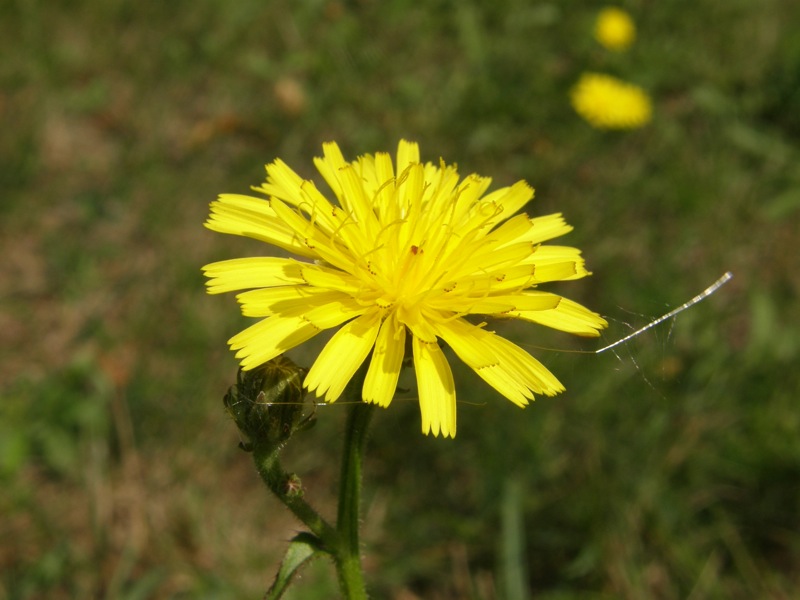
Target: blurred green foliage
70,411
669,469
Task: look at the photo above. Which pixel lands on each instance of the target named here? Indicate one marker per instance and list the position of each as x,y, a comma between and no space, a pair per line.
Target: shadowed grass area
669,469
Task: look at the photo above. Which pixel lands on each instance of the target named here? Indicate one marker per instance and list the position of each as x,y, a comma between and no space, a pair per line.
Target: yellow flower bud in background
615,29
606,102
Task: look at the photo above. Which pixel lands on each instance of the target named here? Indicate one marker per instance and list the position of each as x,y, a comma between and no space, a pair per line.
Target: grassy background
671,470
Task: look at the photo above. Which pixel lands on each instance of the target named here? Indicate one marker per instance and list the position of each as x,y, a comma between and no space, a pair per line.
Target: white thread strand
700,297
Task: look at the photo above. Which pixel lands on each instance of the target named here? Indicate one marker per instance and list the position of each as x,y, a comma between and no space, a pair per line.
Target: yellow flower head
610,103
614,29
404,250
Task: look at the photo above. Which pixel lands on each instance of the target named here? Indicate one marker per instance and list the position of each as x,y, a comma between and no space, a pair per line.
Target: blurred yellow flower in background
614,29
610,103
405,249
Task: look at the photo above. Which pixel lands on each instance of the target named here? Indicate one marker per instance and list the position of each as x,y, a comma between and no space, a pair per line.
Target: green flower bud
267,403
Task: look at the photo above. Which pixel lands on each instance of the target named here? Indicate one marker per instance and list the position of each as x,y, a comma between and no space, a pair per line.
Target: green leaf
301,549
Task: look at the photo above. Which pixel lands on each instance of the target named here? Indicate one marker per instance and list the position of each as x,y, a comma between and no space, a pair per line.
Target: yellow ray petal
385,205
524,367
329,165
509,199
468,194
359,205
549,254
437,392
503,365
542,229
244,273
407,153
387,359
332,279
289,300
282,182
470,345
253,217
310,201
512,231
334,313
270,337
568,316
341,356
497,259
495,305
559,271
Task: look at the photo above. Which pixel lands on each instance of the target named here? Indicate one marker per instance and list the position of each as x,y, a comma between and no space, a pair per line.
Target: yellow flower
614,29
404,249
610,103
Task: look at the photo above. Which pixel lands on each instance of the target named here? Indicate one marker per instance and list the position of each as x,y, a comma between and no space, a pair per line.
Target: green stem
348,559
279,482
341,542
